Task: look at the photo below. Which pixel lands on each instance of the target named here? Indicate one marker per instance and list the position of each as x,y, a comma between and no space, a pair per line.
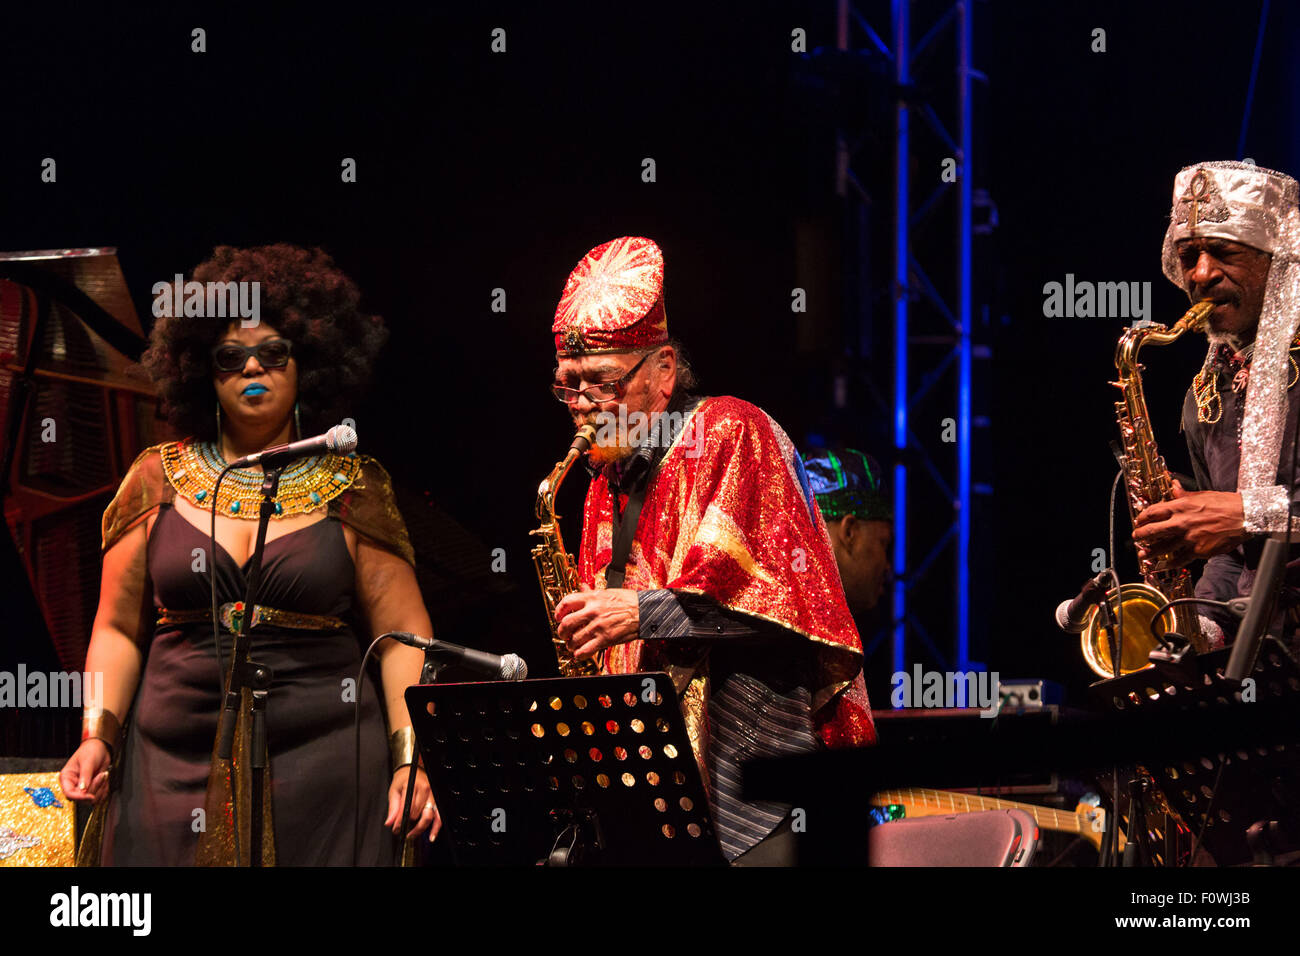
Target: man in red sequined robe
723,575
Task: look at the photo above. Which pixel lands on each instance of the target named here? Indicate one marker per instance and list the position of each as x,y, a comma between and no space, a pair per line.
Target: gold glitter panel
37,822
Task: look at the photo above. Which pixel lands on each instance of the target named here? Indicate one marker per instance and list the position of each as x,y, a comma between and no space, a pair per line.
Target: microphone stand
249,779
432,667
1263,602
428,675
1109,853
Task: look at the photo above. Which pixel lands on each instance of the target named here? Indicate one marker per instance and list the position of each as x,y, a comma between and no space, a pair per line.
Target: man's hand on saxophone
590,621
1195,524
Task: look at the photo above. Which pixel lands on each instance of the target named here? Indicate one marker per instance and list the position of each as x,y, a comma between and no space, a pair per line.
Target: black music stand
1261,778
565,771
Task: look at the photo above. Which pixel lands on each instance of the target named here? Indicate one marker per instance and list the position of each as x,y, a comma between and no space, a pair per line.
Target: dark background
478,171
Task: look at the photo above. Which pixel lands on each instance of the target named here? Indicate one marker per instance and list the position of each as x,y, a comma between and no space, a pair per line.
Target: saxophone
1146,481
555,568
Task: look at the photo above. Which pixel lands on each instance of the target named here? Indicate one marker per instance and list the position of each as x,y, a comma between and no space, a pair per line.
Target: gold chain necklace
1205,386
192,468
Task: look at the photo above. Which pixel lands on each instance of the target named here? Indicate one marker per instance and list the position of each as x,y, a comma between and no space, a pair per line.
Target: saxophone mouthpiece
583,439
1195,317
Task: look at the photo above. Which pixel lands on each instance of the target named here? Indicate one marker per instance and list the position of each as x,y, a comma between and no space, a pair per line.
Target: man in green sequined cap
859,519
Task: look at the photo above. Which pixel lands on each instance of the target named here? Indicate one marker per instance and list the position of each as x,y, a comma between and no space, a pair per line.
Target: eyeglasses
600,392
273,353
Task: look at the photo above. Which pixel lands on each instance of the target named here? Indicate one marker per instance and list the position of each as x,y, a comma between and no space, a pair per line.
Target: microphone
339,440
507,667
1072,615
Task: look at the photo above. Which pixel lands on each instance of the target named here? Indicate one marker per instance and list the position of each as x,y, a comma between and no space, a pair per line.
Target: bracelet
401,746
102,725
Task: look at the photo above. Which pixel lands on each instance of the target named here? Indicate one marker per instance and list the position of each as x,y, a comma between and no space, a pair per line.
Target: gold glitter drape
369,509
142,490
90,849
92,838
217,845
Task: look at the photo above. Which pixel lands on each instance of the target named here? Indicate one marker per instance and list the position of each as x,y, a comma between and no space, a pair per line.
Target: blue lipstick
254,389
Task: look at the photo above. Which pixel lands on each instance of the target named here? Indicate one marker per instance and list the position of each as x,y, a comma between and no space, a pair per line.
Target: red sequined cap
614,300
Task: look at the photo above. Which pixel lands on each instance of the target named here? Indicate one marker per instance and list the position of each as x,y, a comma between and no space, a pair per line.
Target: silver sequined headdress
1257,207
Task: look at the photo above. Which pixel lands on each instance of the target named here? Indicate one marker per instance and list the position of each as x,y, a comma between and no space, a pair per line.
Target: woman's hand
424,812
85,775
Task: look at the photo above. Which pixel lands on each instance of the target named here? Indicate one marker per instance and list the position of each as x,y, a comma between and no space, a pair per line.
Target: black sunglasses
230,357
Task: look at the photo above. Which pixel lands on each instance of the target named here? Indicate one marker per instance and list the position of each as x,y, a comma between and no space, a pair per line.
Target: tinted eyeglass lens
594,393
230,359
273,354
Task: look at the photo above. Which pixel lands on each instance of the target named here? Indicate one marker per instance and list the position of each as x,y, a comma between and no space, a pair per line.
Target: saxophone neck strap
625,522
625,525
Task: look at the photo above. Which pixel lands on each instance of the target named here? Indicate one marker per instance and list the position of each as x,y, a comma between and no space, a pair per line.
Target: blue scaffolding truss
917,366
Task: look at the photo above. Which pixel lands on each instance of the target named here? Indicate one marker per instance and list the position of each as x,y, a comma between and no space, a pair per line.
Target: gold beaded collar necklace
1205,386
192,468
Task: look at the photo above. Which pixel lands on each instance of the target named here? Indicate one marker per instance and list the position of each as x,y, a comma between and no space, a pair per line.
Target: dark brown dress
160,778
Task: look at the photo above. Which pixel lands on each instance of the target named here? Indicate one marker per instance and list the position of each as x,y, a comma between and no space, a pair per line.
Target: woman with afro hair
338,569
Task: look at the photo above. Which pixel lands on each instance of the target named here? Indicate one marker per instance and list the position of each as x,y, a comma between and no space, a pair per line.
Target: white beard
1234,342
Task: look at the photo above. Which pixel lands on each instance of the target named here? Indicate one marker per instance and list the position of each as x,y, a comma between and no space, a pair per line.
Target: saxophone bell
1137,603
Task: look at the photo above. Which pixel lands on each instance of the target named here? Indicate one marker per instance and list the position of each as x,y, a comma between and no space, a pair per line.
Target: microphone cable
1117,657
1119,617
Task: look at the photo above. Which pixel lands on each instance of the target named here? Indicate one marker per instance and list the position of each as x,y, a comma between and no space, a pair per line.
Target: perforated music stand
579,770
1261,777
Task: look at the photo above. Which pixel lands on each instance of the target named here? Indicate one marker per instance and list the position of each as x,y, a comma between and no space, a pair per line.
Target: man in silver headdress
1234,237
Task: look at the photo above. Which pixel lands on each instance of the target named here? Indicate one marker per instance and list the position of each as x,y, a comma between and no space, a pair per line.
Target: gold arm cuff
104,726
401,746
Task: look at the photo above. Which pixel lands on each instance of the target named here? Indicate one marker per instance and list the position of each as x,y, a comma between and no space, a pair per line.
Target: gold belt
261,615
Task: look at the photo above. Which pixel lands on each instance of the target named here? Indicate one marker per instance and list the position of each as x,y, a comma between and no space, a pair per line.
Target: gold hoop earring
218,423
297,422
